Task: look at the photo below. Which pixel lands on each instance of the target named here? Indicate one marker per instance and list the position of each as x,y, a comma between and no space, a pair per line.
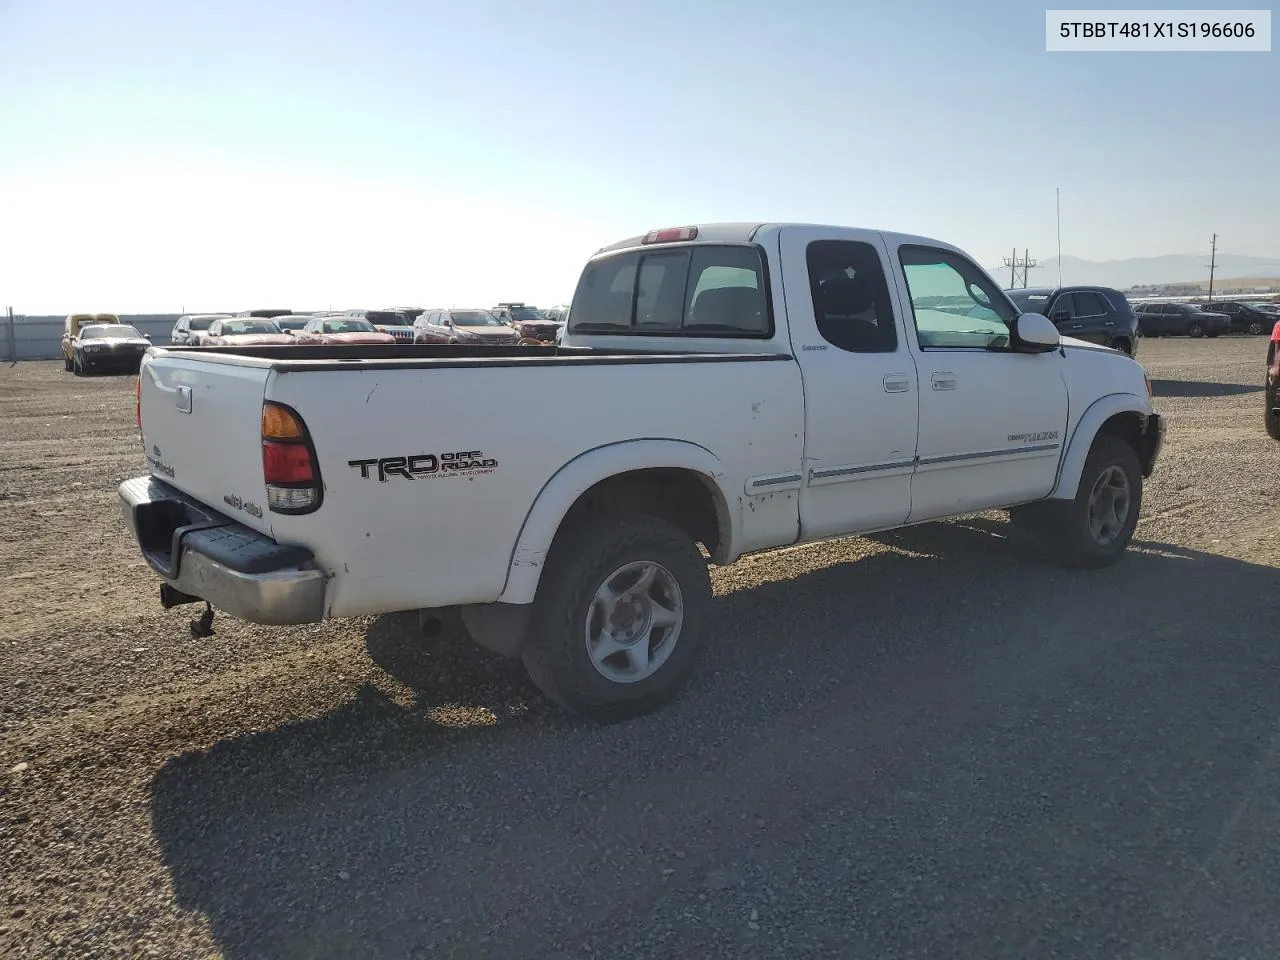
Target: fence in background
40,338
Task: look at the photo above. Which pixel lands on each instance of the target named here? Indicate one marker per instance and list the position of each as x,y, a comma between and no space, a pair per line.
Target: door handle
896,383
943,380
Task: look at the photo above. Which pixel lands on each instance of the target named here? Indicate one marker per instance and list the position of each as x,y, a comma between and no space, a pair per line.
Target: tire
66,363
77,367
1068,526
1195,330
585,558
1123,346
1255,327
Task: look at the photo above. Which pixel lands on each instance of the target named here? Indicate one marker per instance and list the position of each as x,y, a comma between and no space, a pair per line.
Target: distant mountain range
1138,271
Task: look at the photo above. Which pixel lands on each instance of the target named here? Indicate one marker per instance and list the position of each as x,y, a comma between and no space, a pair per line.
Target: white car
738,387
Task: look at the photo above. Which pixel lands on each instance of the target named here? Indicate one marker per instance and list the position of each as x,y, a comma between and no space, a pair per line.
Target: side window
1089,304
1065,304
851,302
954,305
726,292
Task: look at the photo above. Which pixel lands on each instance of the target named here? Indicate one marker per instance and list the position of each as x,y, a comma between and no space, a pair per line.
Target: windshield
235,328
201,323
114,331
474,318
292,323
1265,307
1029,301
349,325
388,318
524,313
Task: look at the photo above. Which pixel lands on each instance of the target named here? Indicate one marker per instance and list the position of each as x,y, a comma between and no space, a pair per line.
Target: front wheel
1255,328
1195,330
1095,528
620,616
77,367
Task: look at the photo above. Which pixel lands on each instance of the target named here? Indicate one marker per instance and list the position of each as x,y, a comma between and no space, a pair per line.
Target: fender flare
1086,429
583,472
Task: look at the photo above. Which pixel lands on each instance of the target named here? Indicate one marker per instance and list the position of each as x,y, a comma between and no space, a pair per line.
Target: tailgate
202,431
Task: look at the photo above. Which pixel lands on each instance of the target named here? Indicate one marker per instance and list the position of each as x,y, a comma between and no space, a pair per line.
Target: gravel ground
930,743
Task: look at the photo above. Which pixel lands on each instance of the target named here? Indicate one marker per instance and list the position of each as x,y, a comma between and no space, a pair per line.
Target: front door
861,397
992,420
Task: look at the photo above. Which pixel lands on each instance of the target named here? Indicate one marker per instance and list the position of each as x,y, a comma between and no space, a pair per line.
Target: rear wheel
620,616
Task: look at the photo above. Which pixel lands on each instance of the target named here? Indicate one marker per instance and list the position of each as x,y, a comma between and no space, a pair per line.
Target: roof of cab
748,231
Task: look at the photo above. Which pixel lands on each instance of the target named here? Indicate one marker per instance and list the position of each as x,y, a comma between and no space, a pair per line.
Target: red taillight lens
289,465
286,462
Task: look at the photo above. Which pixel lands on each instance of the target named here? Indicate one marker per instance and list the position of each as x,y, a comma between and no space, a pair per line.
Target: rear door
202,431
1092,320
861,395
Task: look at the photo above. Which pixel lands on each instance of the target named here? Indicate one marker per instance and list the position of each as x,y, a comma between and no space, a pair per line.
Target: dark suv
1180,320
1097,314
1247,317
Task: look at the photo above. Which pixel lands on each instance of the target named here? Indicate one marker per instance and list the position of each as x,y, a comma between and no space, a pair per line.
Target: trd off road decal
425,466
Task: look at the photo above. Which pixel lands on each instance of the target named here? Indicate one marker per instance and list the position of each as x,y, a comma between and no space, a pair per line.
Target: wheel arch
638,471
1120,414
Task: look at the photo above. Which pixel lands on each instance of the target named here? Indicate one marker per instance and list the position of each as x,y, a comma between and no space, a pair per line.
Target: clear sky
161,155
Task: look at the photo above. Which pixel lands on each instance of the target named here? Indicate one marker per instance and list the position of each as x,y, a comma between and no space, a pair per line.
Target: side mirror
1036,333
146,336
1060,316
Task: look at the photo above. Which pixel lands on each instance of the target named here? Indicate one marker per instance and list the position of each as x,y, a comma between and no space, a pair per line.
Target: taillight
137,401
289,464
670,235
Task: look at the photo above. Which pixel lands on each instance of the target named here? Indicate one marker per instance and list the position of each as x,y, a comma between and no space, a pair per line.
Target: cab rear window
698,290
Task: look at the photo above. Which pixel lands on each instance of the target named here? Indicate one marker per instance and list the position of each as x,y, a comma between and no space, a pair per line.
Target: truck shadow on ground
378,831
1201,388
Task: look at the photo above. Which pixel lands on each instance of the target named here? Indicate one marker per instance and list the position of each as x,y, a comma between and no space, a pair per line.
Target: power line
1213,260
1014,265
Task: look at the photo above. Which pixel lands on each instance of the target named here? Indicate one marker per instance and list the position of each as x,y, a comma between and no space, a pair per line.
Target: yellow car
71,330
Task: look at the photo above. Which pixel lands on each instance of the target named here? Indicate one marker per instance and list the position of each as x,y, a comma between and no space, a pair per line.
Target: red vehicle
243,332
1271,386
342,330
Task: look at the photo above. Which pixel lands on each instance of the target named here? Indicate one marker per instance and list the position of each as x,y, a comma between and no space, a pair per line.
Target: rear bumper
1151,443
205,554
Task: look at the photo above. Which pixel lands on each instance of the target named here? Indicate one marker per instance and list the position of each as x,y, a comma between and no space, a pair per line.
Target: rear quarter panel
399,544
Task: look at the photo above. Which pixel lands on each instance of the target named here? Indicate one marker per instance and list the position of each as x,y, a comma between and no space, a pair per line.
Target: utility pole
1014,264
1213,262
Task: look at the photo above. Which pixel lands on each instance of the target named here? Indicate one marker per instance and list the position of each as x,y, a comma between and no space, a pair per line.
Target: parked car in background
1096,314
463,326
189,326
71,329
100,347
244,332
1180,320
342,330
396,323
526,320
1271,384
1255,318
293,323
267,313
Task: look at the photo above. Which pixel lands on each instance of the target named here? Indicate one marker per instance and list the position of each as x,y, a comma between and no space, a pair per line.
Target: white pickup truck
731,387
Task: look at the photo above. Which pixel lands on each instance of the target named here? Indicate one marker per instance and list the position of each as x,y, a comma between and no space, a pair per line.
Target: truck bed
396,355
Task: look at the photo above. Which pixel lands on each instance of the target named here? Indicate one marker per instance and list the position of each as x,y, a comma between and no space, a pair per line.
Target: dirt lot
932,743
